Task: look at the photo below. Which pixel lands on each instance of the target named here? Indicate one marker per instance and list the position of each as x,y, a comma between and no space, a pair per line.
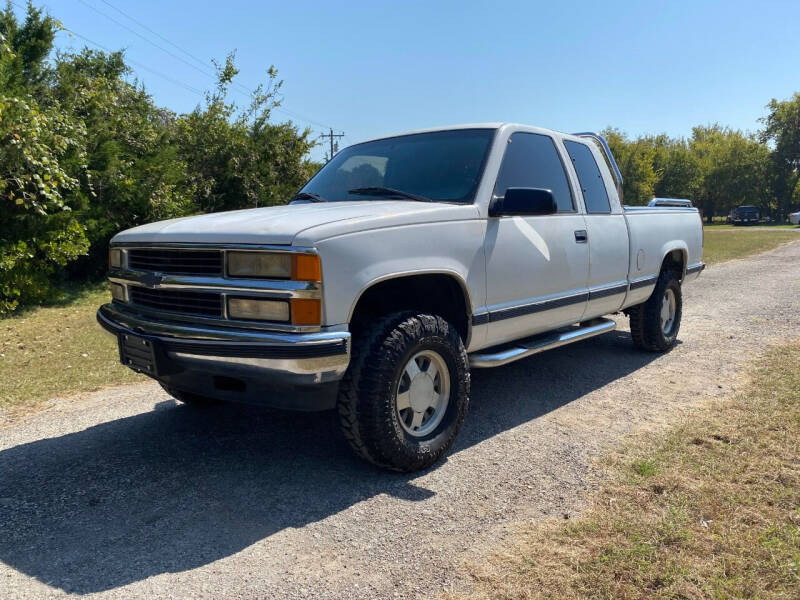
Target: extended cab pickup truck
402,264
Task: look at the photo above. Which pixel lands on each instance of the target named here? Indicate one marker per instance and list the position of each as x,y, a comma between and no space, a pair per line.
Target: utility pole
334,144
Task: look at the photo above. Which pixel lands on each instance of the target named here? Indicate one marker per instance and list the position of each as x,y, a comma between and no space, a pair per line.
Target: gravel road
124,493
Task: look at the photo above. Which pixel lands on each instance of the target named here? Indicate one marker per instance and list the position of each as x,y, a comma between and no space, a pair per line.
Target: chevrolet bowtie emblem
151,280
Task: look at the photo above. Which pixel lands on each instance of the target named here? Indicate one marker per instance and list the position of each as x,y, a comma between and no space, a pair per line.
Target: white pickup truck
404,262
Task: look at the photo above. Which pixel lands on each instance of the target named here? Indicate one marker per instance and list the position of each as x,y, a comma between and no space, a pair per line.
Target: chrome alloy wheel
423,393
669,307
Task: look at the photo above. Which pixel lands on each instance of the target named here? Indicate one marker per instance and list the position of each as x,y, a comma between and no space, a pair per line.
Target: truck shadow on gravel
177,488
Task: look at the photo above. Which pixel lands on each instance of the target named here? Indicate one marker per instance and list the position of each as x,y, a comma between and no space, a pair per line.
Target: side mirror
524,201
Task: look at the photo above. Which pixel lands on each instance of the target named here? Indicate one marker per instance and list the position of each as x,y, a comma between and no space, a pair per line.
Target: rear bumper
286,370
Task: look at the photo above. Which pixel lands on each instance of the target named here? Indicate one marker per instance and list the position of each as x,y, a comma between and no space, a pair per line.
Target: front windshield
441,166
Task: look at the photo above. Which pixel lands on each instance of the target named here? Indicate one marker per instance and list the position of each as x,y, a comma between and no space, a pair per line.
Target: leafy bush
85,153
38,230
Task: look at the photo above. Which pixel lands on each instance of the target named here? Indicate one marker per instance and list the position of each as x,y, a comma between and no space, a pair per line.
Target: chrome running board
502,355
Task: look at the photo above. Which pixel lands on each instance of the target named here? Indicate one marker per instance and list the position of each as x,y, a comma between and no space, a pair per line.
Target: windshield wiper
311,197
385,191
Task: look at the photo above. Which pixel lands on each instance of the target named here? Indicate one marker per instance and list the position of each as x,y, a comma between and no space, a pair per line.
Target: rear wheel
406,392
655,323
189,398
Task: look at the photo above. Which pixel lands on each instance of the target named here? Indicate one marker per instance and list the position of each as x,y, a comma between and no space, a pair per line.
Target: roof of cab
491,125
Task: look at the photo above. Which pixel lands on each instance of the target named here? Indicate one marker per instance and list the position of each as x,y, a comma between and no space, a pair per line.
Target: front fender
352,263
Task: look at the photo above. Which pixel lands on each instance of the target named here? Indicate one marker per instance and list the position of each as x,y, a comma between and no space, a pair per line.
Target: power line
152,43
241,89
185,86
301,117
133,62
155,33
204,71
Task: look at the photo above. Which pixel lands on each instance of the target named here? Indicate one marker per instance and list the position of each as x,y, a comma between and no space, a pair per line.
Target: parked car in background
794,218
402,264
744,215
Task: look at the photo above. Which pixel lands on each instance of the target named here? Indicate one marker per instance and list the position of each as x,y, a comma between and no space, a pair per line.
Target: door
536,266
607,233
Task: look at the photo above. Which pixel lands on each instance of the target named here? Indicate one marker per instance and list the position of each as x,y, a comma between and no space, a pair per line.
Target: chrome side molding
507,353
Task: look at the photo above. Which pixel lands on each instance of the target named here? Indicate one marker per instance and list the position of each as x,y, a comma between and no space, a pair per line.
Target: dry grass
54,351
723,244
709,510
723,225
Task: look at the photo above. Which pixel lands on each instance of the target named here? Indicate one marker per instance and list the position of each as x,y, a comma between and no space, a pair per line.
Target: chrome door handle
580,236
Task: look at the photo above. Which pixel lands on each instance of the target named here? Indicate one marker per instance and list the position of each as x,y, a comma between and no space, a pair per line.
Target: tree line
718,168
85,152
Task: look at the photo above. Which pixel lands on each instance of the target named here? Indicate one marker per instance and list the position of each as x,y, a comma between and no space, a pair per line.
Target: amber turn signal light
306,267
306,311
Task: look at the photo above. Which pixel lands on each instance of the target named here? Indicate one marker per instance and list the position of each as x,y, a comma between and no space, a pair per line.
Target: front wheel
406,392
655,322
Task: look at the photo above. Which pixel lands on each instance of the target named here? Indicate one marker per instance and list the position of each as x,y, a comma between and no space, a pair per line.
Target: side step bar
507,353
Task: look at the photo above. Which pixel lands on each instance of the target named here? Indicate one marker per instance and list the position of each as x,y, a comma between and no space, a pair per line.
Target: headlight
115,258
274,265
118,292
259,264
258,310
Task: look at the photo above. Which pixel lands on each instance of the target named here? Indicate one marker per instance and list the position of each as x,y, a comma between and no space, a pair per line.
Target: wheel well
434,293
674,261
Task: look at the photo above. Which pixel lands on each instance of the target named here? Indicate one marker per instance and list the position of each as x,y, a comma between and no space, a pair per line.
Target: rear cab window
589,176
532,161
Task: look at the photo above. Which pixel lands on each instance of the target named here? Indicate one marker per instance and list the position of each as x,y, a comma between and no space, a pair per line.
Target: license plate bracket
138,353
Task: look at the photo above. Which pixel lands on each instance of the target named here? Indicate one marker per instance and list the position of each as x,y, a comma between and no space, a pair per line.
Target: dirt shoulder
706,508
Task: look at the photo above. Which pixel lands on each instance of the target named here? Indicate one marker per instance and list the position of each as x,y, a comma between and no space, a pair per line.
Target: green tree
38,230
733,168
635,161
782,132
85,152
236,157
135,174
39,233
23,65
676,167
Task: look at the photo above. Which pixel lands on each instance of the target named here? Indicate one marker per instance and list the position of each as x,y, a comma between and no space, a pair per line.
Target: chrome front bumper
195,358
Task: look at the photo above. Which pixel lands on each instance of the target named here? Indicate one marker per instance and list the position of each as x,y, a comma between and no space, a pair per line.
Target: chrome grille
176,261
192,303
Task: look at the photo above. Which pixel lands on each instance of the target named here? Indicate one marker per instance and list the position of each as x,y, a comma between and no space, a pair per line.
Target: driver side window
532,161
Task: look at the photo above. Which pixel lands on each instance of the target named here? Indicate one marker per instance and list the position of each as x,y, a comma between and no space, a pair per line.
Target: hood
298,224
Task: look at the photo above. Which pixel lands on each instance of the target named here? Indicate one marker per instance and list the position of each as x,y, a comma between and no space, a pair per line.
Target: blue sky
370,68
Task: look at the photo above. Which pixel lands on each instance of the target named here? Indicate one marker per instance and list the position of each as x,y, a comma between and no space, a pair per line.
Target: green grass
57,350
726,243
744,227
708,509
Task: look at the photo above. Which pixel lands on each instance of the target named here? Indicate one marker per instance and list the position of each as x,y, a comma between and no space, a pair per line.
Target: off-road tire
645,318
189,398
366,404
